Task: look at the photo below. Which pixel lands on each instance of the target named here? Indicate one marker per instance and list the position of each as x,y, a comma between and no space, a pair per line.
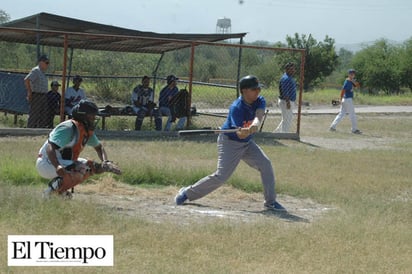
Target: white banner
60,250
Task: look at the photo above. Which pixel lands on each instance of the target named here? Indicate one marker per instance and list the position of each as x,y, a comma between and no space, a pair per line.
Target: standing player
287,97
346,97
245,113
58,158
37,88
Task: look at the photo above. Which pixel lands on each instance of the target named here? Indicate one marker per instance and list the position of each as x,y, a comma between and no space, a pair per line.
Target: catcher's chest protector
79,139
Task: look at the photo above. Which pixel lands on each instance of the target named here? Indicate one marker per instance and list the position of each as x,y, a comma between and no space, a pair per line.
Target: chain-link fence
208,71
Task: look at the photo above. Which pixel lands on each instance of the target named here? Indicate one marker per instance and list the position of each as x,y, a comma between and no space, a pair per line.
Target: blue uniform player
346,97
287,97
245,113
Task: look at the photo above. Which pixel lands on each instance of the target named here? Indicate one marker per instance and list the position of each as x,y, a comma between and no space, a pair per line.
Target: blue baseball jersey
242,114
165,94
287,88
348,87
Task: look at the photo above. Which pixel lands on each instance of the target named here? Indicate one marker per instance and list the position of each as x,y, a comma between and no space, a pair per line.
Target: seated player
143,104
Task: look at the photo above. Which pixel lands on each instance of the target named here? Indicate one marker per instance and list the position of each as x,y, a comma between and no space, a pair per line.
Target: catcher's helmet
249,81
84,108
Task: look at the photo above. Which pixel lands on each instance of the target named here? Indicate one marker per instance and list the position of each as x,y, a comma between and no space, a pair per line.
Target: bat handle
264,119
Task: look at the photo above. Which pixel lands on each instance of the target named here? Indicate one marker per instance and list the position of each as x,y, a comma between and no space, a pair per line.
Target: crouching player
58,158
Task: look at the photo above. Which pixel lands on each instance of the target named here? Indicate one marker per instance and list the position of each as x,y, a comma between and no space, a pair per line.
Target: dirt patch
157,205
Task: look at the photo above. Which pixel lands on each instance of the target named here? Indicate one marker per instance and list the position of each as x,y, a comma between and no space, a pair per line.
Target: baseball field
349,200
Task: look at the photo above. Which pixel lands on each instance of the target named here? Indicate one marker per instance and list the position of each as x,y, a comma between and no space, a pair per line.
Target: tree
345,58
378,67
406,64
321,58
4,17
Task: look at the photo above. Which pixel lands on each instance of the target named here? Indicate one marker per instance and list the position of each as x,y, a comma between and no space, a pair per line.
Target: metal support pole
239,67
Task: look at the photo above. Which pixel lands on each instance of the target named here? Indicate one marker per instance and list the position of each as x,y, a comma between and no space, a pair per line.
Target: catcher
58,158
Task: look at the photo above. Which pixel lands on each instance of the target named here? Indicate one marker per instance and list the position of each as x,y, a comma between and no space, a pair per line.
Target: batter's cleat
181,197
275,206
109,166
357,131
332,129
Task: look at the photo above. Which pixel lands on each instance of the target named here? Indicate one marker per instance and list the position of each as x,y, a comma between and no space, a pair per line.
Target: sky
346,21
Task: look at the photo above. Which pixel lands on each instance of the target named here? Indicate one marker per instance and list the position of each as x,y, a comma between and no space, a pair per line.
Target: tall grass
367,232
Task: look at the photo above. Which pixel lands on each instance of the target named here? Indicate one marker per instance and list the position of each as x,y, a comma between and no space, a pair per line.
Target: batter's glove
109,166
243,132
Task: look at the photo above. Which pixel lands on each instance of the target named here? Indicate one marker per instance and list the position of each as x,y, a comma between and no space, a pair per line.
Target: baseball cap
289,65
351,71
55,83
77,78
171,78
249,81
43,58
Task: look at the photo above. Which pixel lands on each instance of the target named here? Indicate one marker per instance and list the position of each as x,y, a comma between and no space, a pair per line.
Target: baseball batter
346,97
245,113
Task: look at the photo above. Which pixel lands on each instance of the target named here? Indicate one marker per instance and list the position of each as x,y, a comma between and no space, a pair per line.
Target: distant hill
359,46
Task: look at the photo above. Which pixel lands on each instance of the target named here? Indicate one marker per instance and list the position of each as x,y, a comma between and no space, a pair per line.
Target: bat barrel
205,131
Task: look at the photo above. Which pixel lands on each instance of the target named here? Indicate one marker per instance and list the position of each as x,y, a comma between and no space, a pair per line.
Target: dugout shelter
71,34
45,29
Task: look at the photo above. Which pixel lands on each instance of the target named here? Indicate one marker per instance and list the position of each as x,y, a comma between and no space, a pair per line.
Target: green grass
368,232
324,97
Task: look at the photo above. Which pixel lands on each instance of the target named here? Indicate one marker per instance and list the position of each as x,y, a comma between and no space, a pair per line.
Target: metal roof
51,29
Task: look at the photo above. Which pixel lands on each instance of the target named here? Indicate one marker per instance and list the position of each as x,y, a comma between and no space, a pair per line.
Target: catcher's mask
85,112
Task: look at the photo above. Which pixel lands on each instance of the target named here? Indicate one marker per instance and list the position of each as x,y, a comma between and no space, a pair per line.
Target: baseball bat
264,119
205,131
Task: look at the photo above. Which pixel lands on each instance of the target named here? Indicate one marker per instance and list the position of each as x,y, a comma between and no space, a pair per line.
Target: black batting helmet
249,81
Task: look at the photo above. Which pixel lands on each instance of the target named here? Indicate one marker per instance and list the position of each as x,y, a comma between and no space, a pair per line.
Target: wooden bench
109,111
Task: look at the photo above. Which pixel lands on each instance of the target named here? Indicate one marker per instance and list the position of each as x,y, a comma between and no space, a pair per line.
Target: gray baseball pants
229,155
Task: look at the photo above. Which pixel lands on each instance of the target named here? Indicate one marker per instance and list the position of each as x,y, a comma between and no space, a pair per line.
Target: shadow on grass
284,215
309,144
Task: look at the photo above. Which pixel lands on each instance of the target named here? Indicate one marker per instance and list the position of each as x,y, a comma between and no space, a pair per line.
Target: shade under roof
89,35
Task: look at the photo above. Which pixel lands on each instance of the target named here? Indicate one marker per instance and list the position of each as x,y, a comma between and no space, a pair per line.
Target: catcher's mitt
109,166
